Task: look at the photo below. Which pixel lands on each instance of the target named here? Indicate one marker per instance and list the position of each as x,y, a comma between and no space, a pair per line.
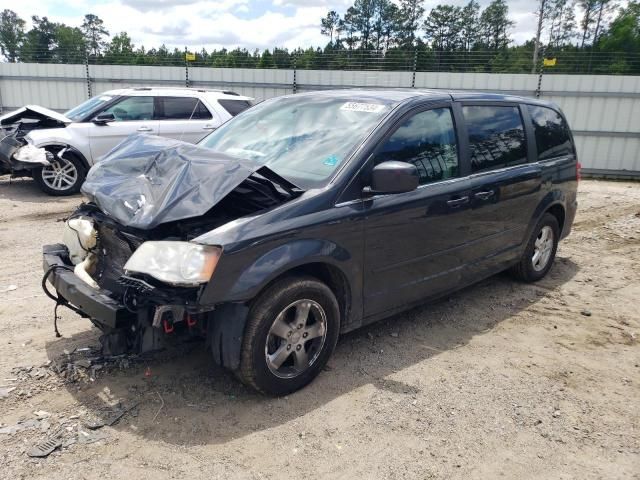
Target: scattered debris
586,313
394,334
10,288
4,392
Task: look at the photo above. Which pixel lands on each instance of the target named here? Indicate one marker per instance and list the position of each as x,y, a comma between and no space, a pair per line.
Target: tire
72,174
273,332
527,269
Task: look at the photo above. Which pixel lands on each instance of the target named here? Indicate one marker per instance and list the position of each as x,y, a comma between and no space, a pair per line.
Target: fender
555,197
61,138
286,257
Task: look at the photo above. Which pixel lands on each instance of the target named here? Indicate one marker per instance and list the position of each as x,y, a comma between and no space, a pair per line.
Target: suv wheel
63,177
291,332
540,251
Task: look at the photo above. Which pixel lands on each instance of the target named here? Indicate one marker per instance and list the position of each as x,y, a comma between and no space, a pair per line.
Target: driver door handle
145,129
456,202
208,126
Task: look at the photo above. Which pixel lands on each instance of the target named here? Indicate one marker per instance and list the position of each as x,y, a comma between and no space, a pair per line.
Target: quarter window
496,136
183,108
132,108
427,140
551,131
234,107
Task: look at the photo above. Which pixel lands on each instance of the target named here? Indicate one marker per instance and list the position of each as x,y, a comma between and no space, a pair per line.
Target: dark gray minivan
311,215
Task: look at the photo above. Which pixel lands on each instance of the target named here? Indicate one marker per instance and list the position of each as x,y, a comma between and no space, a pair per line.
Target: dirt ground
500,380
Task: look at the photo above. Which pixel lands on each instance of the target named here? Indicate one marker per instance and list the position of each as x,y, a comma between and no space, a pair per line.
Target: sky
226,23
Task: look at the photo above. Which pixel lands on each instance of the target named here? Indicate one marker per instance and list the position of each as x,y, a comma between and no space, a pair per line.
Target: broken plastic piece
31,154
44,449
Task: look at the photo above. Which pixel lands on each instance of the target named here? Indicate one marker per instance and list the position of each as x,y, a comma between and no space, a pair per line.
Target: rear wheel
291,332
540,252
64,176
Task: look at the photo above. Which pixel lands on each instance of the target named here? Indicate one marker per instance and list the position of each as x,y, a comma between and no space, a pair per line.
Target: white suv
74,141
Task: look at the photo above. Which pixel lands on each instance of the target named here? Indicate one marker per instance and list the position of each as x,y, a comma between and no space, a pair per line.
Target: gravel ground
501,379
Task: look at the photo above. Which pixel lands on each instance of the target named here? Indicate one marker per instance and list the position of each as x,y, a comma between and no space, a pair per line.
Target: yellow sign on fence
549,62
190,57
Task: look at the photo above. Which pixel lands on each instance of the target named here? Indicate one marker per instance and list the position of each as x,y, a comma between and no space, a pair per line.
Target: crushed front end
128,260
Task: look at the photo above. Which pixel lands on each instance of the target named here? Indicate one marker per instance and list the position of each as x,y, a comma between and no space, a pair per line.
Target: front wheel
291,332
540,251
64,176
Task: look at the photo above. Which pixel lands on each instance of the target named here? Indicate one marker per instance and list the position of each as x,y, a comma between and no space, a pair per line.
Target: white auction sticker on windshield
362,107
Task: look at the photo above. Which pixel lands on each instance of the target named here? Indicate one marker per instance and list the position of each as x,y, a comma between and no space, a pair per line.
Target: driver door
414,241
132,115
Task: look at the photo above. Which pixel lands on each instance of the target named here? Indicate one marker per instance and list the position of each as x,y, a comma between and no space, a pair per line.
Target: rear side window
552,133
234,107
428,140
183,108
496,136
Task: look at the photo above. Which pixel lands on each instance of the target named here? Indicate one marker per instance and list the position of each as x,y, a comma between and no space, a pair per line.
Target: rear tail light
578,168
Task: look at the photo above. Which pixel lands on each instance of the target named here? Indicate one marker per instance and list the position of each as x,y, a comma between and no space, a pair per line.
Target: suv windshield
303,138
77,114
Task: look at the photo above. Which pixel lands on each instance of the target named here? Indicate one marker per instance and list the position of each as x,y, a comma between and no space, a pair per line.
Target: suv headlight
176,263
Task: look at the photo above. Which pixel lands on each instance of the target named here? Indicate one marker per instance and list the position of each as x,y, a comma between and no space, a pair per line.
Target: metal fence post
295,75
86,70
540,72
186,69
415,67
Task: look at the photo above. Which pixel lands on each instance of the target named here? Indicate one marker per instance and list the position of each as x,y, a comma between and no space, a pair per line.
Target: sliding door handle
485,195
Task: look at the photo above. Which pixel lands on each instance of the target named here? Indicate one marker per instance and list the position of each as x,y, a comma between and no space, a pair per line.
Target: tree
385,23
121,49
411,12
349,26
562,23
624,32
542,13
330,24
363,20
69,44
470,25
94,33
11,34
39,42
443,26
266,60
495,25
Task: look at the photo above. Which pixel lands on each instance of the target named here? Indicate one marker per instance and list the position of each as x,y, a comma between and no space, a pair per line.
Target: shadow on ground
187,400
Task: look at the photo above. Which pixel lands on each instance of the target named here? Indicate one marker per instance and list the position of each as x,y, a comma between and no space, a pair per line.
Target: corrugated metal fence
604,111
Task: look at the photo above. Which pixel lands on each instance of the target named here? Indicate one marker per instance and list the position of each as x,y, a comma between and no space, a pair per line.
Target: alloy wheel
296,338
543,247
60,175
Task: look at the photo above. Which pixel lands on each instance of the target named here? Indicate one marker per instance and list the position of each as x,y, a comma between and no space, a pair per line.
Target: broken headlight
176,263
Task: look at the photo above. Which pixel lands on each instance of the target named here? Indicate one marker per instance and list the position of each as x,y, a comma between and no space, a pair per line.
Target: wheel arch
55,147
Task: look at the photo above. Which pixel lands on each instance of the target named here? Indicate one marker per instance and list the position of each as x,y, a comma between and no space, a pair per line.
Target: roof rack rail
230,92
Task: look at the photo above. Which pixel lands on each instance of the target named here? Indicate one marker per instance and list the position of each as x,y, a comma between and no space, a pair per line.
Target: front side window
303,138
551,131
132,109
183,108
428,141
496,136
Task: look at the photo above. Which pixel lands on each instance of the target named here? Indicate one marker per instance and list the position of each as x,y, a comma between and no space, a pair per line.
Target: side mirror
104,118
392,177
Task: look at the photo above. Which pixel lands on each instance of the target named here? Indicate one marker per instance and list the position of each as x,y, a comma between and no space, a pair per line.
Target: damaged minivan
310,215
58,149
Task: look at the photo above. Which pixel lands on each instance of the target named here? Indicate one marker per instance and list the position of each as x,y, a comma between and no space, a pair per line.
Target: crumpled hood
148,180
33,112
